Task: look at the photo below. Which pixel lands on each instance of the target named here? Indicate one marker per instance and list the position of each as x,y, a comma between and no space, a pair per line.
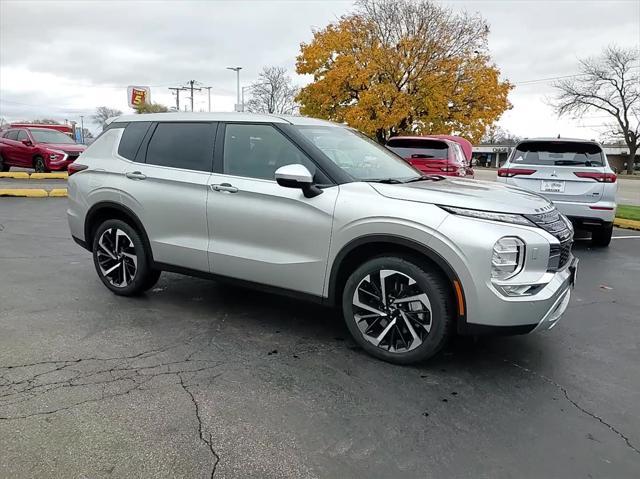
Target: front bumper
59,165
525,314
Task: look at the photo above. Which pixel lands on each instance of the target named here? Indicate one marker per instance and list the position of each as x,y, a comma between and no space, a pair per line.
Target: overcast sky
62,59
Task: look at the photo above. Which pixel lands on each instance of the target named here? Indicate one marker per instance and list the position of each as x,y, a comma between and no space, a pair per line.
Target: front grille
552,222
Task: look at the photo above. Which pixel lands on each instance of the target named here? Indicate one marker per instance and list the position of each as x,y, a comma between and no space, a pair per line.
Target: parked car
317,210
436,154
572,173
42,149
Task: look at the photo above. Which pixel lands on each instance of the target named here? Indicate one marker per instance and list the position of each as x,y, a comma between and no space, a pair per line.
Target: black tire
602,236
129,243
39,165
3,166
431,283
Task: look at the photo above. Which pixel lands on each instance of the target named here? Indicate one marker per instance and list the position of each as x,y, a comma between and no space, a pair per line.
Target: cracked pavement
198,379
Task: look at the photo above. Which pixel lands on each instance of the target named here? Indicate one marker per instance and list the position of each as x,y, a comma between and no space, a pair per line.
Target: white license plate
552,186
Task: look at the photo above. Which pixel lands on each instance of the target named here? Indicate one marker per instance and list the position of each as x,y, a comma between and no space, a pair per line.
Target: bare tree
607,84
273,93
496,135
103,113
150,108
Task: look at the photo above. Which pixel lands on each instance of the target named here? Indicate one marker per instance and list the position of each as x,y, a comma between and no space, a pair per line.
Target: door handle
224,187
135,175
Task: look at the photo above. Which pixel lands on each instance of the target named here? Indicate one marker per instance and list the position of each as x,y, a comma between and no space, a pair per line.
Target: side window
22,135
257,151
11,135
182,145
132,139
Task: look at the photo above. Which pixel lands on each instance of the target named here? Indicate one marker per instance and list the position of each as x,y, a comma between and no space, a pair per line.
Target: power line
178,89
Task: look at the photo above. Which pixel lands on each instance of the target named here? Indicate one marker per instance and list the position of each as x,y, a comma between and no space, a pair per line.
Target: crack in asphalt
207,442
32,392
564,391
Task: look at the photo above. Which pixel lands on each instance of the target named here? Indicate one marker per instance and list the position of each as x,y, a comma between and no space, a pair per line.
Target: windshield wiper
573,162
388,181
426,177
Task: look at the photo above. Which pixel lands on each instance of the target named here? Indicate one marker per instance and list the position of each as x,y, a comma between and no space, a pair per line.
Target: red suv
436,155
43,149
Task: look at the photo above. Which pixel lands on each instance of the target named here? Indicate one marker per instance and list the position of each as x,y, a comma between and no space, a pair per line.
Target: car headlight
508,258
489,215
55,154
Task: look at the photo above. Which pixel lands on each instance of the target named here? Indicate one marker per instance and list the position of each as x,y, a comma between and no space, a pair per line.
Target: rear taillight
510,172
600,177
75,167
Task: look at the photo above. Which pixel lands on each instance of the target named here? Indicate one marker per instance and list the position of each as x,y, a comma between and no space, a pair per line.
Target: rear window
558,153
182,145
11,135
419,148
132,139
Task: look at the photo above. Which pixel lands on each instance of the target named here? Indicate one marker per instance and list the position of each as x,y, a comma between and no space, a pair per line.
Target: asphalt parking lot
200,379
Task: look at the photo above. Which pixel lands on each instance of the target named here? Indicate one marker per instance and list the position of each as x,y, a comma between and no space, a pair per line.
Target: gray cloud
101,47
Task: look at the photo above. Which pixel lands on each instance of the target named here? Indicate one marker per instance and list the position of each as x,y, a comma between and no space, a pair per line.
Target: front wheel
602,236
397,310
39,165
121,260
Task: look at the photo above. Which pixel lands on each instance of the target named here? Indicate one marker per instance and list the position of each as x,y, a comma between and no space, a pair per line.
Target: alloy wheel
392,311
117,257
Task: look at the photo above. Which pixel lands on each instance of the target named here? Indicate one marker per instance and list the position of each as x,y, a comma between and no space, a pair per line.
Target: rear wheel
120,259
602,236
39,165
3,165
397,310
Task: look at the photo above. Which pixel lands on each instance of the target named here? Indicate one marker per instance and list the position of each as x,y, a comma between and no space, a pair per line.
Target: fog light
508,258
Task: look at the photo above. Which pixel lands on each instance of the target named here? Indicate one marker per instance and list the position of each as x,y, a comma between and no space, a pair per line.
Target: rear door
9,149
427,155
260,231
166,183
559,170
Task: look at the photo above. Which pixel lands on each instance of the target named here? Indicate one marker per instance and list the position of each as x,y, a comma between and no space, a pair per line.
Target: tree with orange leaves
403,67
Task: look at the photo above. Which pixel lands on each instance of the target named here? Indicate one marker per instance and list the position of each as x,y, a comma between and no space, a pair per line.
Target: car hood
68,147
466,193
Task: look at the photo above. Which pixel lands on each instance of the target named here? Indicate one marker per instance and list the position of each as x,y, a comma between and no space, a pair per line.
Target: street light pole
82,128
237,70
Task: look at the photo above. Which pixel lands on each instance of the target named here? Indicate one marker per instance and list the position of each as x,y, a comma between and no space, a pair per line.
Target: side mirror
297,176
27,142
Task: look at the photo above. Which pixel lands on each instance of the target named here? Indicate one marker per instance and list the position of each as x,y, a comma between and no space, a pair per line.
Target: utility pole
82,128
237,70
208,88
178,89
191,82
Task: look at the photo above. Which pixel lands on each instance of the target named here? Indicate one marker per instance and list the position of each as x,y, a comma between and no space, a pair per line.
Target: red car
43,149
436,154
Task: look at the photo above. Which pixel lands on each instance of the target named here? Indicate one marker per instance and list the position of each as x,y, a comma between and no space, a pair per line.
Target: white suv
574,174
317,210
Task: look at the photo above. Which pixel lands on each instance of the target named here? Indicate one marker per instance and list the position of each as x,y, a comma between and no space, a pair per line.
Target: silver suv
317,210
574,174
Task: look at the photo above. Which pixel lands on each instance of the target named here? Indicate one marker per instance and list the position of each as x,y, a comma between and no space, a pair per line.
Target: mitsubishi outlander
317,210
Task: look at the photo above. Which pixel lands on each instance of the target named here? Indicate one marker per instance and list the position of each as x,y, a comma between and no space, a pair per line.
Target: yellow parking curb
24,192
23,175
58,192
629,224
50,176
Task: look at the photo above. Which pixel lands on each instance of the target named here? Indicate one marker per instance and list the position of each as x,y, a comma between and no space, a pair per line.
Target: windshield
50,136
362,158
414,148
558,153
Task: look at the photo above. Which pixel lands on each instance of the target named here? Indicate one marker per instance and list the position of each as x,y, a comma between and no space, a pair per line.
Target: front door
262,232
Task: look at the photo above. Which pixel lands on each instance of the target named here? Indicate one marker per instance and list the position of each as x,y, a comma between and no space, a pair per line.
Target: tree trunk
632,157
